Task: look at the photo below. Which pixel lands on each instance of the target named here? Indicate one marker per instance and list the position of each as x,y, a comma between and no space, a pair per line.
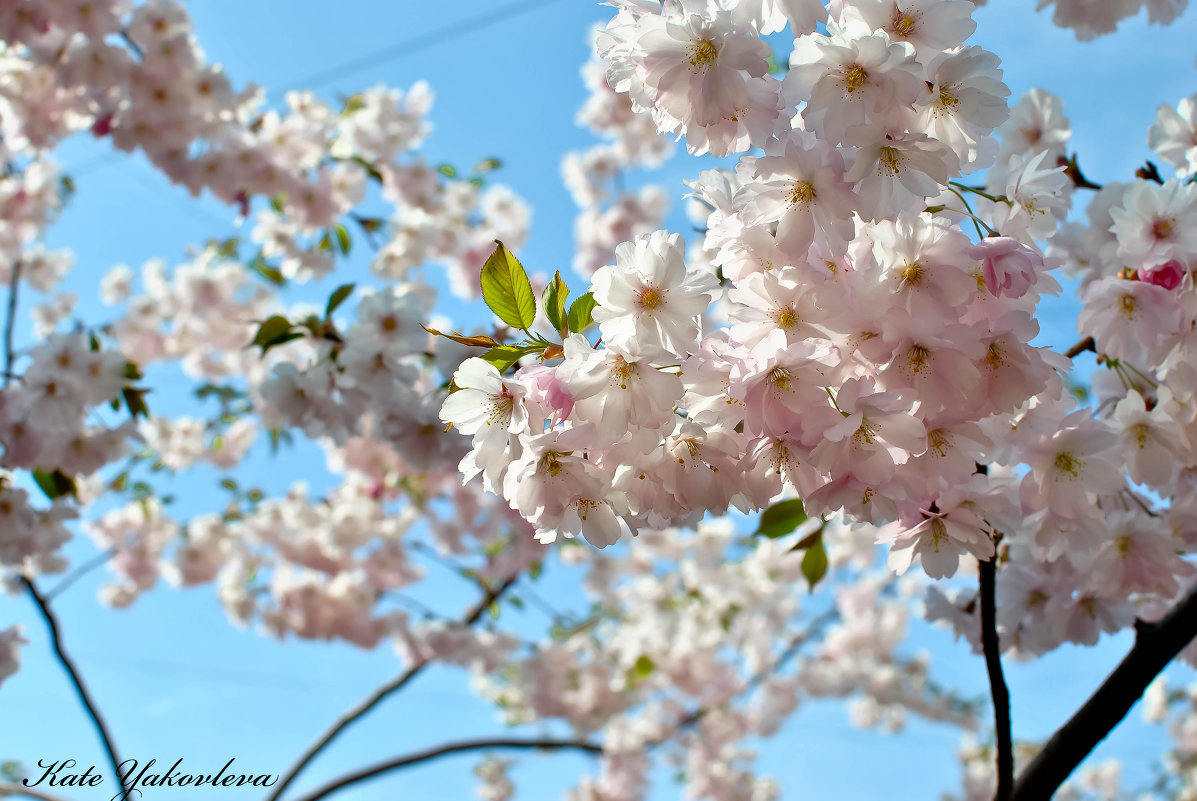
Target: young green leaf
579,317
477,341
553,301
135,401
504,356
271,274
814,563
781,518
274,331
55,485
338,297
343,240
506,289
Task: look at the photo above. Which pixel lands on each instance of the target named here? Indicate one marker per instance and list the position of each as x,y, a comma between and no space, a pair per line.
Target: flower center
786,319
1162,229
946,102
801,192
1127,304
703,54
890,161
779,377
904,23
1067,463
855,77
912,274
650,298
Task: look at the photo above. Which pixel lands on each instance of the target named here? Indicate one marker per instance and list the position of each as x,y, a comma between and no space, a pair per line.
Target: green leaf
506,289
641,669
486,165
338,297
370,224
814,563
370,169
781,518
135,401
447,170
534,570
271,274
55,485
227,249
504,356
229,484
274,331
580,313
93,341
343,240
553,301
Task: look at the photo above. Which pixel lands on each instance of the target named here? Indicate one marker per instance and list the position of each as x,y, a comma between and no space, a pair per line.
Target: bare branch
1156,644
445,750
79,572
997,682
80,689
378,696
10,320
1085,344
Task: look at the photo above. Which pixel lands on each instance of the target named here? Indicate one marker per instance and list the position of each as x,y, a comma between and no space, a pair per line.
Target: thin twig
445,750
1156,644
789,652
380,694
85,698
14,284
1085,344
997,682
78,573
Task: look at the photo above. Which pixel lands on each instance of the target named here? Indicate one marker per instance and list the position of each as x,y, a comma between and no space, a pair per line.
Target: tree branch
444,750
997,682
10,320
380,694
1085,344
79,572
1155,646
84,697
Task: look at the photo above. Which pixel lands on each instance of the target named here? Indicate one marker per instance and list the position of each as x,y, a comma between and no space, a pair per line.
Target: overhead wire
376,58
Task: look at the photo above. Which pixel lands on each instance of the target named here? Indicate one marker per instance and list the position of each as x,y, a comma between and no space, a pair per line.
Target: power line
377,58
419,42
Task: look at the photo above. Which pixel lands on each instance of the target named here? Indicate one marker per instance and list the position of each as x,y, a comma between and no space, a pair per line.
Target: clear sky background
176,680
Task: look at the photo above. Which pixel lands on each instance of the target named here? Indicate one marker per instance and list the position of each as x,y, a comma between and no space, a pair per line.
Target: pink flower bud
102,126
1009,266
1167,275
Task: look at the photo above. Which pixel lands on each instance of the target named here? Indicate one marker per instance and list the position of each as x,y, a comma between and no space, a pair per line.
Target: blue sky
176,680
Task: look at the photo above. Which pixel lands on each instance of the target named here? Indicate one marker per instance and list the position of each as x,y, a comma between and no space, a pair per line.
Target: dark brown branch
85,698
1149,172
380,694
445,750
1155,646
997,682
1073,170
1085,344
